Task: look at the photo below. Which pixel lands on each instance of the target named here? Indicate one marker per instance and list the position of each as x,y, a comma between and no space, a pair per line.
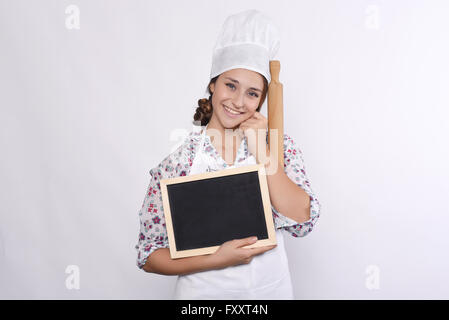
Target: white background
86,113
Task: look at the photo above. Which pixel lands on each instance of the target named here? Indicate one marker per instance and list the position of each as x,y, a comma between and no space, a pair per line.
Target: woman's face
239,90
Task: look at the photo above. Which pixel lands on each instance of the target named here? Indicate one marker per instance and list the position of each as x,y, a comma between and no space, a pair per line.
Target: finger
250,127
253,118
254,130
245,241
255,122
258,115
247,129
259,250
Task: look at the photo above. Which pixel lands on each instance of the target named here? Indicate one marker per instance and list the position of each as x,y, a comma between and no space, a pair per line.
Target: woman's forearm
160,262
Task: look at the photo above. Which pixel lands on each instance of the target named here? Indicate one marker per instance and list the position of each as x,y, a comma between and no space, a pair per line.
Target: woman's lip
230,114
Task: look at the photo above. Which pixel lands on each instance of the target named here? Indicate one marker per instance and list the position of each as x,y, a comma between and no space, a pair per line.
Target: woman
237,90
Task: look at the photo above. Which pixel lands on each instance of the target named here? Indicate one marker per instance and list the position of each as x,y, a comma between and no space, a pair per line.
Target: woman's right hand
231,252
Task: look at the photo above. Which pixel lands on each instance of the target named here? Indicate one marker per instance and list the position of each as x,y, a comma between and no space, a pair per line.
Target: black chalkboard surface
203,211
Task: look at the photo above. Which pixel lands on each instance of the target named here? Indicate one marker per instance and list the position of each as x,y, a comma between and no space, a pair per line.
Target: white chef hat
247,40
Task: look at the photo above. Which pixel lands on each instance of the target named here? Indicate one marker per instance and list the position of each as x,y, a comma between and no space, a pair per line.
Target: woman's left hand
255,129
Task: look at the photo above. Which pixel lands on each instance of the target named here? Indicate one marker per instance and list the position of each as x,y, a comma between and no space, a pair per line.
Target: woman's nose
238,100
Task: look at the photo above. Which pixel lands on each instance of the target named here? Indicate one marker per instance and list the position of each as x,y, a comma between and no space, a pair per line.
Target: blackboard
203,211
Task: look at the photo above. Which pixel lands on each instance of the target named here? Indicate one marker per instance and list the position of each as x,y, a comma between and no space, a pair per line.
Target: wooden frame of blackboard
264,193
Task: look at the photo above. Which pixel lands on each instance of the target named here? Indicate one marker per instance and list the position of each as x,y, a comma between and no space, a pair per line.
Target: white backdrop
86,113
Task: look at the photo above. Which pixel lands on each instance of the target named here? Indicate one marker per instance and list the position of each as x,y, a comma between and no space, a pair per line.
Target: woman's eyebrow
233,80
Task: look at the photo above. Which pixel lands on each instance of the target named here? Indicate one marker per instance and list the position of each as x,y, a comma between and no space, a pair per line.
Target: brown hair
204,112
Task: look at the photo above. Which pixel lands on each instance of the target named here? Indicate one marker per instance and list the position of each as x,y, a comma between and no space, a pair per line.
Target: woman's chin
229,124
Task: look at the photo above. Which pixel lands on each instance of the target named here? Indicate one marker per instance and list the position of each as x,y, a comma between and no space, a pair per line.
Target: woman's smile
231,113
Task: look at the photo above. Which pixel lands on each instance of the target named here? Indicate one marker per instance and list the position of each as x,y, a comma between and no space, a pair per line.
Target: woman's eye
255,94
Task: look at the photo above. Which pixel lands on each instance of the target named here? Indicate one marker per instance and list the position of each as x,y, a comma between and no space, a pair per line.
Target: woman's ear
212,87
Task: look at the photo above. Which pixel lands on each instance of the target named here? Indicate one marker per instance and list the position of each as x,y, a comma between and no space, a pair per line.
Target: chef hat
247,40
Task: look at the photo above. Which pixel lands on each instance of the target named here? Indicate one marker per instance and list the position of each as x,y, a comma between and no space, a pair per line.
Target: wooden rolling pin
276,110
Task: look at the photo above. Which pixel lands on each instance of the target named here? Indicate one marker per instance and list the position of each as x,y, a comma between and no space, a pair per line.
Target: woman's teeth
231,111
